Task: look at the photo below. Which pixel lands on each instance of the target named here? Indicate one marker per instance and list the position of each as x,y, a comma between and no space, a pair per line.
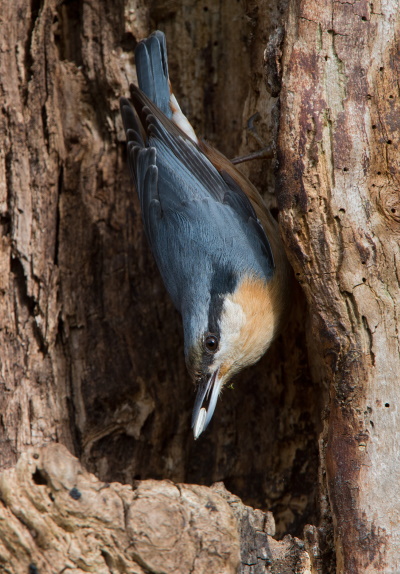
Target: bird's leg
266,152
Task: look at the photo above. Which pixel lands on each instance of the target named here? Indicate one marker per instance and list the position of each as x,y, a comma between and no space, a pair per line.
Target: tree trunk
338,182
98,345
92,349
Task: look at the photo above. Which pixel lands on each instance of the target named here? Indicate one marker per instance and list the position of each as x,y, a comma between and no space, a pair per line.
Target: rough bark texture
92,349
56,517
339,194
92,353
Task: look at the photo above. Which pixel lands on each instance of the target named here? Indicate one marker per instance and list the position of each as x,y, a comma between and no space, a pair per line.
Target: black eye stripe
223,281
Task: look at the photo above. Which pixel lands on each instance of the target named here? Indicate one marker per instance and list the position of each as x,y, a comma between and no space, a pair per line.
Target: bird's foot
266,152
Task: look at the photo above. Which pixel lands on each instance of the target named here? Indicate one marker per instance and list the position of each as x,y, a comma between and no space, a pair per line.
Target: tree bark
56,517
92,349
338,183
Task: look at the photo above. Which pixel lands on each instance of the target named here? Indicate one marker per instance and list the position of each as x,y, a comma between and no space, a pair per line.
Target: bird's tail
153,78
152,71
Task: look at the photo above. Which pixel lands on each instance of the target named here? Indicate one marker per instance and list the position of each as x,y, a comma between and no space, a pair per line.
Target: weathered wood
92,349
56,517
339,193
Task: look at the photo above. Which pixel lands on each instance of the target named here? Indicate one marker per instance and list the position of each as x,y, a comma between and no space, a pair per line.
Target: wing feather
183,175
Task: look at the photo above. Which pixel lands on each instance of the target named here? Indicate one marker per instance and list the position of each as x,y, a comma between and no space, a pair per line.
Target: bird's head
234,332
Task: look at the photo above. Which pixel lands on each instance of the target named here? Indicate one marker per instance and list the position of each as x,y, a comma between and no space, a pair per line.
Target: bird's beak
206,400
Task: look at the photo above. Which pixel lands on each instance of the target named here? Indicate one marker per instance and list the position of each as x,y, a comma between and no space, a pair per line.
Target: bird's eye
211,343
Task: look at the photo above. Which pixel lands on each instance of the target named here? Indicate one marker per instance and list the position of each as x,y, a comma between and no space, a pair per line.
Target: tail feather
152,70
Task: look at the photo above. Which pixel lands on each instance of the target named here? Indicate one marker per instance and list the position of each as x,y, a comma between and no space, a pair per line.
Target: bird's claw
267,152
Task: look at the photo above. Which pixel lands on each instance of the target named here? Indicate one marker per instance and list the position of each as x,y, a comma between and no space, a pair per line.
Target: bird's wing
152,69
153,77
177,154
239,201
269,224
143,169
185,173
187,206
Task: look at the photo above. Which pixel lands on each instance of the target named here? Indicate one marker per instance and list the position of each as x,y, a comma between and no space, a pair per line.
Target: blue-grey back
196,220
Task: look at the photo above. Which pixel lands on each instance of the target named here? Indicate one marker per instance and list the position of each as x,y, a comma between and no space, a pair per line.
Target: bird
215,242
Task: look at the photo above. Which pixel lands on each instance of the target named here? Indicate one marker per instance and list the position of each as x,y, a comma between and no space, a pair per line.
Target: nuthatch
215,242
